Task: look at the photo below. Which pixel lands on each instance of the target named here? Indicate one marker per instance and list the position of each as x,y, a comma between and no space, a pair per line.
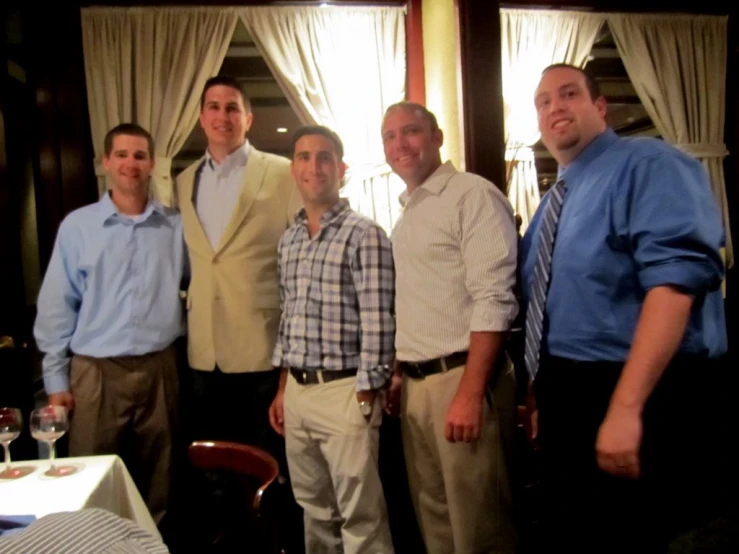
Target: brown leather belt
313,377
421,370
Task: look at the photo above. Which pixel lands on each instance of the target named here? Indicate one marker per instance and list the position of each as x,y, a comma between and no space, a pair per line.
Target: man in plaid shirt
335,346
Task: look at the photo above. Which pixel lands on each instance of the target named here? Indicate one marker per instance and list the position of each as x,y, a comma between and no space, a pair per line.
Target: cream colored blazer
233,302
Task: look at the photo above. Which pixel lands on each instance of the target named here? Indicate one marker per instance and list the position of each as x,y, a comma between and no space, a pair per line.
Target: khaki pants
461,491
128,406
332,455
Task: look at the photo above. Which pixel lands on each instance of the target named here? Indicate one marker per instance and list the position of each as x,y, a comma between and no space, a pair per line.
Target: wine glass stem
52,453
6,446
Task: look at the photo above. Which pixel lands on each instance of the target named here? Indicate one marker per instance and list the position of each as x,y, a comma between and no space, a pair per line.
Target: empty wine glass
48,424
11,423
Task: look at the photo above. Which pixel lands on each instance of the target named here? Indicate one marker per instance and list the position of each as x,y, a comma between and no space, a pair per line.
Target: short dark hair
128,129
422,110
226,81
590,82
319,130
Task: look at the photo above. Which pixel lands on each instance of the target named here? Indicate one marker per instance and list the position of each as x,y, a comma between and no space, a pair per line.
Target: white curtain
677,64
532,40
148,66
341,67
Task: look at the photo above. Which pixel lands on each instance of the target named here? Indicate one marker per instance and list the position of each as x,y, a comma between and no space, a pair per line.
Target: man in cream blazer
235,202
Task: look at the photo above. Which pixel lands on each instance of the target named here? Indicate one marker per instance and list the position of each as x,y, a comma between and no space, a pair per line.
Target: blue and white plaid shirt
337,295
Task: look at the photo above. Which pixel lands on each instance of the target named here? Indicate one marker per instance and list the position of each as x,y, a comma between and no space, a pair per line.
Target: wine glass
48,424
11,423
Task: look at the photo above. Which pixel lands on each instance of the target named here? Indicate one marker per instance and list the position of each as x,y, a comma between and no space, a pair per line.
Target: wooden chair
243,523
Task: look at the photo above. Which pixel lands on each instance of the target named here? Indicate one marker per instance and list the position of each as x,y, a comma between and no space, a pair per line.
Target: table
103,482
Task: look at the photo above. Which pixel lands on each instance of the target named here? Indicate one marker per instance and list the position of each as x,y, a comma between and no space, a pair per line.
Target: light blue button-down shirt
111,288
218,191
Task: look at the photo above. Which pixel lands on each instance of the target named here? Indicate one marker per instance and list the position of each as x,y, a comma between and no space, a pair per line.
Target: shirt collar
109,210
434,183
237,158
326,218
596,147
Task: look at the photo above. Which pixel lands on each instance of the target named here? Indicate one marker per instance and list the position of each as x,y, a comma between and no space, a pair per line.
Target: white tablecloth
103,482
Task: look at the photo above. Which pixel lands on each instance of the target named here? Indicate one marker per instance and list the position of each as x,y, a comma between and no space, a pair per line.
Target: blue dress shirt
637,214
111,288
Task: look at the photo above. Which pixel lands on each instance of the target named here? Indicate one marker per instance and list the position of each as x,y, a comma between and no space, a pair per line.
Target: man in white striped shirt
87,531
455,249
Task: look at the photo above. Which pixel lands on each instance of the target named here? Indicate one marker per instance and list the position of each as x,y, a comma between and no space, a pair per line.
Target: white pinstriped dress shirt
88,531
455,250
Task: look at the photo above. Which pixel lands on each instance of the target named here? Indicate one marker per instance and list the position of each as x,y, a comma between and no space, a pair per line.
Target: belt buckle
416,373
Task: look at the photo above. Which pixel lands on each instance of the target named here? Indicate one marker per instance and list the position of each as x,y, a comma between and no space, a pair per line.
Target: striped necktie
540,282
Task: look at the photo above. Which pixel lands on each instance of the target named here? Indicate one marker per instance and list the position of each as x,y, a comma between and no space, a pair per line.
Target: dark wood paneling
16,369
11,277
416,73
129,3
66,178
482,92
636,6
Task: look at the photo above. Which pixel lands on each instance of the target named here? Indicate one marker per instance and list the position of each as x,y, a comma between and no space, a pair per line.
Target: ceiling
272,110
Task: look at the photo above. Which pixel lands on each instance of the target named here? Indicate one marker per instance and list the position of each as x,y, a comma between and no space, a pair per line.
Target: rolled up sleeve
373,273
489,251
674,225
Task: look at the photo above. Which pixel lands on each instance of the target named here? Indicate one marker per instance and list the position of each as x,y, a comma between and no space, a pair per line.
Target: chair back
252,471
242,459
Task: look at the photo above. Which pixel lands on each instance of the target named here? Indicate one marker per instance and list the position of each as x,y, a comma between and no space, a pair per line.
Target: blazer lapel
256,167
188,204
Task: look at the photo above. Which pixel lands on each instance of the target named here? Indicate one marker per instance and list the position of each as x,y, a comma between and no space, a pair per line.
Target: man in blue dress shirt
621,273
109,312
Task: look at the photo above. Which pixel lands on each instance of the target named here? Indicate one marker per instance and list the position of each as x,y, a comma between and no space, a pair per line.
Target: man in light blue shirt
621,272
109,311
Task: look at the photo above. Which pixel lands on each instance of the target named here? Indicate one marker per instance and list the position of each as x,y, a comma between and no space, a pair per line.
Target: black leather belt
313,377
420,370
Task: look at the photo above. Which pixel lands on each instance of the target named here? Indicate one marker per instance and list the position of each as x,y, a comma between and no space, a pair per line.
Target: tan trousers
461,491
128,406
332,455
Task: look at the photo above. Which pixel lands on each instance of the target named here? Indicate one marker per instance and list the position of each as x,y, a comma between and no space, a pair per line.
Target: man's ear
438,138
249,120
602,106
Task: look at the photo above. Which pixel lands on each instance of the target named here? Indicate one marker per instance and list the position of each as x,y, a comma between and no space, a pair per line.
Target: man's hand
62,399
277,413
464,419
618,442
392,395
367,396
